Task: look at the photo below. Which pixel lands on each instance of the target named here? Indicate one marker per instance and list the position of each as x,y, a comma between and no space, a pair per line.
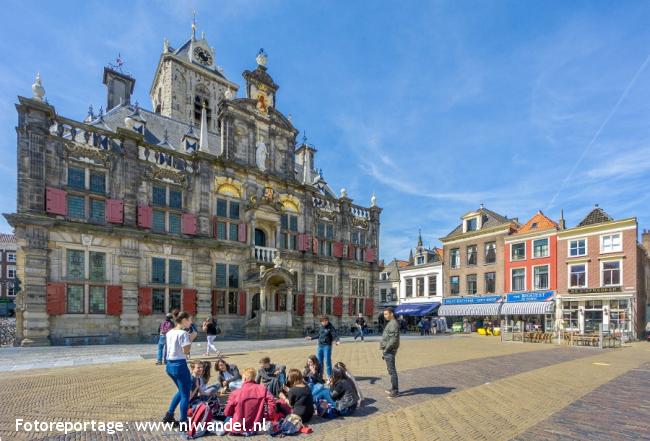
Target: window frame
512,251
512,279
548,248
468,281
473,247
620,273
548,277
452,284
586,275
586,246
486,247
611,246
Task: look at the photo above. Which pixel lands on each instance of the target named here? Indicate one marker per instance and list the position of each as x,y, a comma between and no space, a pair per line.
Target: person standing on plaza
165,326
389,345
210,328
326,336
360,324
178,350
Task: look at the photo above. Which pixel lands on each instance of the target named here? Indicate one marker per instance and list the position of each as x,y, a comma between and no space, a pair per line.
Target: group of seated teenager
272,393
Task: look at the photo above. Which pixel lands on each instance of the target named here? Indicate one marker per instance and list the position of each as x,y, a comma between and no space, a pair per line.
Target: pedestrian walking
360,324
165,326
389,345
326,336
211,330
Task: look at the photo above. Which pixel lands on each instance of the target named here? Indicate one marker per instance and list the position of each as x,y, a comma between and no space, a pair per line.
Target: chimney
119,88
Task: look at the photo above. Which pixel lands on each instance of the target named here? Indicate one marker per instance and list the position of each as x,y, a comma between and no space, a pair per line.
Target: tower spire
203,140
419,237
194,24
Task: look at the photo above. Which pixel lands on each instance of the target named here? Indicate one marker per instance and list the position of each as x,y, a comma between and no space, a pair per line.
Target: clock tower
187,79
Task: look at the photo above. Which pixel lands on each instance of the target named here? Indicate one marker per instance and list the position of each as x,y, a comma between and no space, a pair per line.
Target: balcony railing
264,254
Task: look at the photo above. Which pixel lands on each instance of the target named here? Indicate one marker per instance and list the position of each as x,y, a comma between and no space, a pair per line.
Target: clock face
203,56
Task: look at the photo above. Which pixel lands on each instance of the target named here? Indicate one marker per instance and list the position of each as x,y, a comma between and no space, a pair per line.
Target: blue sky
435,106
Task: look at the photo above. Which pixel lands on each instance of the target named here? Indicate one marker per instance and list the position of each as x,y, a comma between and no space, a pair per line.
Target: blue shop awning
416,309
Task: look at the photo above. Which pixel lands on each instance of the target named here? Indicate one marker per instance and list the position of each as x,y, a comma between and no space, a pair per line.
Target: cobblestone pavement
466,387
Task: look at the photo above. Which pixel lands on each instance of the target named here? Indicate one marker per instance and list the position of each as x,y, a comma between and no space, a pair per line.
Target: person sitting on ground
200,377
228,376
343,393
272,376
250,404
350,377
313,372
298,396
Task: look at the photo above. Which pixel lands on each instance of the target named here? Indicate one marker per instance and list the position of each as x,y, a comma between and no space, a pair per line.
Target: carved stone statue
260,155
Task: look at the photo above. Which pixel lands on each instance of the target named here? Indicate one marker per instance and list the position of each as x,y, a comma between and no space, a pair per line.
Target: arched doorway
260,238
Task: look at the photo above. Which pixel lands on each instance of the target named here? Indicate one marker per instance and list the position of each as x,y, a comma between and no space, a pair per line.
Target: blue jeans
320,392
162,341
180,375
324,354
347,411
358,333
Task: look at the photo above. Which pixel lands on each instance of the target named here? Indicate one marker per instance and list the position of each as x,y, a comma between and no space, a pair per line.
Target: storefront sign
471,300
594,290
536,296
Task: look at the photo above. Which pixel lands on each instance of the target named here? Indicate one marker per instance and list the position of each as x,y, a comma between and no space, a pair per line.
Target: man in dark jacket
389,345
360,324
326,336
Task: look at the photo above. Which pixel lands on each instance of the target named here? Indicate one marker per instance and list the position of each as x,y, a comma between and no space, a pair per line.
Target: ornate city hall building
207,203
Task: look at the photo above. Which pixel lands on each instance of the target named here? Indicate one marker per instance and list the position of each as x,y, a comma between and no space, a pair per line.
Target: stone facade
132,213
479,230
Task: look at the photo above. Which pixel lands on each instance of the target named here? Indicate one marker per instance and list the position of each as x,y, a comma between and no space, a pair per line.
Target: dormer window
420,260
471,224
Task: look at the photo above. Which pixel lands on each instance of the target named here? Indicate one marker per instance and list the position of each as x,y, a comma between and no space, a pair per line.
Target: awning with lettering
477,309
416,309
527,308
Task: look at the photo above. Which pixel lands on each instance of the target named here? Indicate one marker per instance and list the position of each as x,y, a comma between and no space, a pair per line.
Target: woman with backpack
211,330
165,326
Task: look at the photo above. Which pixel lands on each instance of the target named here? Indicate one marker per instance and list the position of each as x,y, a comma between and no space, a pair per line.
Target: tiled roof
402,263
538,222
490,219
597,216
7,238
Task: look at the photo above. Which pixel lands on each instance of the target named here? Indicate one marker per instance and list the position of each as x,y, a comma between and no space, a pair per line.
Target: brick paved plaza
461,387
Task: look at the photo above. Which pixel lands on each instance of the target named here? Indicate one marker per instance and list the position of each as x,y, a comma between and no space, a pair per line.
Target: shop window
518,251
490,282
577,247
619,317
540,274
610,243
540,247
454,283
593,315
570,315
471,284
518,279
471,255
454,258
612,273
490,252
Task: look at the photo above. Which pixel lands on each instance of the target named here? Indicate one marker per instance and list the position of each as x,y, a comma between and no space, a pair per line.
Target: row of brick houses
207,203
538,274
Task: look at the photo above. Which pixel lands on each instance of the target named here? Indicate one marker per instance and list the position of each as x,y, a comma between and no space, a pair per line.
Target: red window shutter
242,303
55,201
369,306
338,249
145,306
145,216
114,211
213,304
55,298
315,304
300,307
113,300
351,251
315,245
214,226
305,242
189,301
338,306
370,255
188,224
242,233
350,306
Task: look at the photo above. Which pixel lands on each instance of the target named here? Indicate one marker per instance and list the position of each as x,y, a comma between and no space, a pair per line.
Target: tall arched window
202,96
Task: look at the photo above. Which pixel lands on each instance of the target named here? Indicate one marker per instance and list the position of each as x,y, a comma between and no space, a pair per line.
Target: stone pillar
129,264
32,320
202,281
289,300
